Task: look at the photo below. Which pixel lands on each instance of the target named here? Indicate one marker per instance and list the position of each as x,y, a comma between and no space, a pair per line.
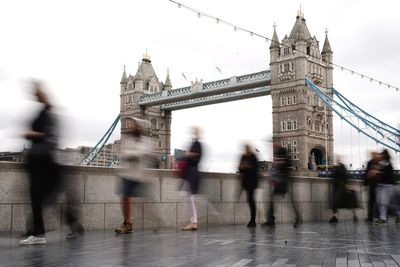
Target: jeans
383,197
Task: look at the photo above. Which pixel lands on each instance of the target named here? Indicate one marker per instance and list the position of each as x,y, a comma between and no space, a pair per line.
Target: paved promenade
319,244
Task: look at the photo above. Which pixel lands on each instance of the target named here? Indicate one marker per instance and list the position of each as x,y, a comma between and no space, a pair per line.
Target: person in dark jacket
248,169
371,180
343,196
384,187
279,181
192,175
40,163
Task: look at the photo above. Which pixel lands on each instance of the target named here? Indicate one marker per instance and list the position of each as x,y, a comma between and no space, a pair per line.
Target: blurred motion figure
134,151
248,169
191,175
40,162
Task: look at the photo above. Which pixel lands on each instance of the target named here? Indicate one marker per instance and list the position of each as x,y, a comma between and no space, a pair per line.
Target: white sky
79,48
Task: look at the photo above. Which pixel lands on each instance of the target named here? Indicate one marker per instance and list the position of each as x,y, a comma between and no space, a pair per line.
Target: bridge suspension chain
99,146
375,129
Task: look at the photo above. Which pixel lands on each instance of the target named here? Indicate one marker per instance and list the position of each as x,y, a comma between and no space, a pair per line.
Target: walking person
344,197
192,176
279,181
384,187
370,181
43,171
134,149
248,169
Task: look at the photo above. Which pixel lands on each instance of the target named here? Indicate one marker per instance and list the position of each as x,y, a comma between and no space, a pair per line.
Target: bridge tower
145,81
301,121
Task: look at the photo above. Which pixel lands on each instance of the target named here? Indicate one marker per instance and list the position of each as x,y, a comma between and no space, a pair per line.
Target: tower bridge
301,122
299,81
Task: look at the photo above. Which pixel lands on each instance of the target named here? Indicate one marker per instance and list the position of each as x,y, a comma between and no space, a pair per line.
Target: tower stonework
301,121
145,81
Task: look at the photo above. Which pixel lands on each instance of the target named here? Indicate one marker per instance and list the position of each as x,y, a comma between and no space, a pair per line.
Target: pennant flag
183,75
258,151
218,69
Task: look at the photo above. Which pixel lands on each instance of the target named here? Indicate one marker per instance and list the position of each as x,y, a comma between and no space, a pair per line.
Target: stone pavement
314,244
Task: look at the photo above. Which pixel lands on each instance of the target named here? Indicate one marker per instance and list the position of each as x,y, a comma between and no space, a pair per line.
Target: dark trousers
43,181
270,215
252,203
371,202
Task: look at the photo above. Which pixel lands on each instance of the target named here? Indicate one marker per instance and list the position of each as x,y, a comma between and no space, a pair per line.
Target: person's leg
371,203
193,218
126,191
193,212
383,196
126,207
252,204
37,192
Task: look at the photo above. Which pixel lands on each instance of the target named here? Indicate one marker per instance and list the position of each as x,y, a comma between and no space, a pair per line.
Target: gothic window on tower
153,123
282,101
286,67
294,100
286,51
289,125
289,100
283,126
283,144
316,125
294,125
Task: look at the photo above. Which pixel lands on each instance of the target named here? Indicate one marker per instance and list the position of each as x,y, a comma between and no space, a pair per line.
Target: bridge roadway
314,244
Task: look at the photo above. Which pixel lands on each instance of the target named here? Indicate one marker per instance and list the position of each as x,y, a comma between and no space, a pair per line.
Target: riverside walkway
313,244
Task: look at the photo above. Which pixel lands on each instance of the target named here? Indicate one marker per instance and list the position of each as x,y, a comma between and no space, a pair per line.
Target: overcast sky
79,48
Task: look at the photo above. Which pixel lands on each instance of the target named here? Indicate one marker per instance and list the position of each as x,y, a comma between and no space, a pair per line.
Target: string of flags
252,34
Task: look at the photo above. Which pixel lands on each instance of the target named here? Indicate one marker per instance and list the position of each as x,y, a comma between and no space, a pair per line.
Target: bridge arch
316,157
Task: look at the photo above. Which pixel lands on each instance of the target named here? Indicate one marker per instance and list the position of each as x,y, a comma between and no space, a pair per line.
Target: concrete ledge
94,192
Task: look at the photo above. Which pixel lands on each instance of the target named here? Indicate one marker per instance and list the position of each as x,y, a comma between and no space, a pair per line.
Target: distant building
12,156
264,165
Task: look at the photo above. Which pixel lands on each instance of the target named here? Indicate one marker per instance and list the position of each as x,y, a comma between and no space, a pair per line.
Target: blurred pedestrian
344,197
40,162
192,175
248,169
372,172
279,181
134,149
384,187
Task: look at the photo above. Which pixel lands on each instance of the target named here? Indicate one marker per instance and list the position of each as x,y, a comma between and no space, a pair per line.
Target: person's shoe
369,220
251,224
380,222
397,220
269,223
125,228
190,227
355,219
296,223
334,220
32,240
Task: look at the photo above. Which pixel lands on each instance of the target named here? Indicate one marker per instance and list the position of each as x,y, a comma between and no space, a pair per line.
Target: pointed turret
167,84
124,79
275,40
300,29
327,46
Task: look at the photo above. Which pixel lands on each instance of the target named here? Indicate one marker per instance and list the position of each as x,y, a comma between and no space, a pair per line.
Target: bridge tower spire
301,122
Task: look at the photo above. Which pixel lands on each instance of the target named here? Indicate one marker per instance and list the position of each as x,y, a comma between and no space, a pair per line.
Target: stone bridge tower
301,121
145,81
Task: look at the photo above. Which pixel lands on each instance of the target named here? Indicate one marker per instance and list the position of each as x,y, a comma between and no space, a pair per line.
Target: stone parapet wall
95,197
